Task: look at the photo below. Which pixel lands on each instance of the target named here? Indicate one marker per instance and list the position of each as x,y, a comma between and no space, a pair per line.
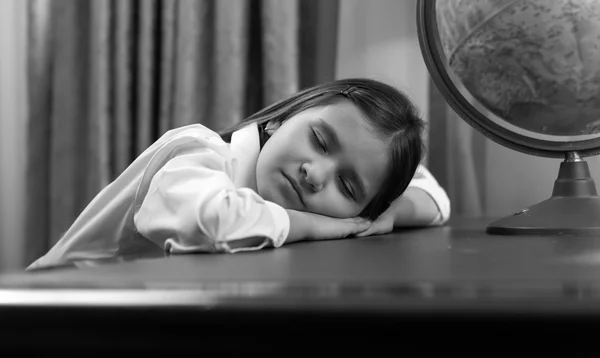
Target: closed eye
344,184
346,188
318,141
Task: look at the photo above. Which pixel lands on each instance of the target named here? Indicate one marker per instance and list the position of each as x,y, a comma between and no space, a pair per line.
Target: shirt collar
245,146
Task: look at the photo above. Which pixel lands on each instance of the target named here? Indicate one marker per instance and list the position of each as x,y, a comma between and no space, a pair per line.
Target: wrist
299,230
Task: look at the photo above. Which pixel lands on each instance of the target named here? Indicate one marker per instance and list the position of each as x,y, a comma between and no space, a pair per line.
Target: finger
358,220
355,221
340,228
376,228
362,225
356,225
370,231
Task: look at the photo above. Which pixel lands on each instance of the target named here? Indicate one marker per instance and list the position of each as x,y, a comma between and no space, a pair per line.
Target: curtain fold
69,113
230,63
13,115
192,62
121,133
108,77
457,157
97,151
37,183
281,61
464,176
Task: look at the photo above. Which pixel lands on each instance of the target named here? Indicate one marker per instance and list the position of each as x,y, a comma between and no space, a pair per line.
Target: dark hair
388,111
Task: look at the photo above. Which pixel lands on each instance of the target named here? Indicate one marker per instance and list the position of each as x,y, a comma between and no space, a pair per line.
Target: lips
295,188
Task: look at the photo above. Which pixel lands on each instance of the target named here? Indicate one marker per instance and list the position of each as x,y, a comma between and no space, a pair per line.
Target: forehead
360,148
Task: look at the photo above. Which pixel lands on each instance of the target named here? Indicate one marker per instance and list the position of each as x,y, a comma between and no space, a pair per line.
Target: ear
272,126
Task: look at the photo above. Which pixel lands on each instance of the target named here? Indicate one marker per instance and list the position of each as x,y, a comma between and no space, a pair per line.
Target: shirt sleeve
425,181
192,205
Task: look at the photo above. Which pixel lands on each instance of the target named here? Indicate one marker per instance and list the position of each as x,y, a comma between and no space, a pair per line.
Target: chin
268,190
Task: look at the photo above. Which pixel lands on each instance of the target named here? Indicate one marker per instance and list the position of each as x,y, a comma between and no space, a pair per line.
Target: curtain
13,112
108,77
457,157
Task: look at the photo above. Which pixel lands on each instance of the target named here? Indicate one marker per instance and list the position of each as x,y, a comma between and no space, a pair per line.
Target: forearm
311,226
298,230
414,208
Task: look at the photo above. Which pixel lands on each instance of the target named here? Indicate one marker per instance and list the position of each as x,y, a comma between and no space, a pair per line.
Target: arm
431,203
188,203
309,226
414,208
424,203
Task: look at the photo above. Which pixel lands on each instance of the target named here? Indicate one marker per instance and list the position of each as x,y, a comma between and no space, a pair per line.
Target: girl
330,162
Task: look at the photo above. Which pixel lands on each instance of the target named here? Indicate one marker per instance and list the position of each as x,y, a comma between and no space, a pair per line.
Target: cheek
271,160
283,152
334,204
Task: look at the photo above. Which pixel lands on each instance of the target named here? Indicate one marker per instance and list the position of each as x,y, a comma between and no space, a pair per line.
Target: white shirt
188,192
425,181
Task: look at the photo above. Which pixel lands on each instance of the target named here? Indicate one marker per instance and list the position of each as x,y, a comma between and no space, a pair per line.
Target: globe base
573,209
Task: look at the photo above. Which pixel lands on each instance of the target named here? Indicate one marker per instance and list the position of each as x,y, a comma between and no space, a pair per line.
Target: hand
382,225
309,226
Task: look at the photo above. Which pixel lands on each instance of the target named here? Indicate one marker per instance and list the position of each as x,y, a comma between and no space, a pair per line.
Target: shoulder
194,135
184,150
422,173
423,178
195,140
192,130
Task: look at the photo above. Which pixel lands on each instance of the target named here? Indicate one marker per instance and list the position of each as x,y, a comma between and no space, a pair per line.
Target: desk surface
444,283
455,261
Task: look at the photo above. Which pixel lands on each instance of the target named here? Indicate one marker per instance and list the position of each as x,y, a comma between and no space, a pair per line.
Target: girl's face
323,160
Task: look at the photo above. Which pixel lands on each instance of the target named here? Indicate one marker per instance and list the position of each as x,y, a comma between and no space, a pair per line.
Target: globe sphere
533,63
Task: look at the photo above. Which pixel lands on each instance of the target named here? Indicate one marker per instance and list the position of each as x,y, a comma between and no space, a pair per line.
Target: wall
13,115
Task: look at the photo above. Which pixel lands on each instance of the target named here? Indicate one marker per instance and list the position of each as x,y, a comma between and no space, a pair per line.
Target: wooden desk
387,291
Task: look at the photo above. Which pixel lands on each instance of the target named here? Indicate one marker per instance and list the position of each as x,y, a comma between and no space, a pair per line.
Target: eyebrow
361,192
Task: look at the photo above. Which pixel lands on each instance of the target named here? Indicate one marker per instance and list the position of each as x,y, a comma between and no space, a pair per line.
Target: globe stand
573,209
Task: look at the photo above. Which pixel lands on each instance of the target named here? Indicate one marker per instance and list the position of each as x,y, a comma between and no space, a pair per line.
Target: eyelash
323,146
318,141
346,189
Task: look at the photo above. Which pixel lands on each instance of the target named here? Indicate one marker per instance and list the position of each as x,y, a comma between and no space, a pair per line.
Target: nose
317,173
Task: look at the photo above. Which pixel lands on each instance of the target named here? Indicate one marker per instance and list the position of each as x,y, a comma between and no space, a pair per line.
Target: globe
525,73
535,63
